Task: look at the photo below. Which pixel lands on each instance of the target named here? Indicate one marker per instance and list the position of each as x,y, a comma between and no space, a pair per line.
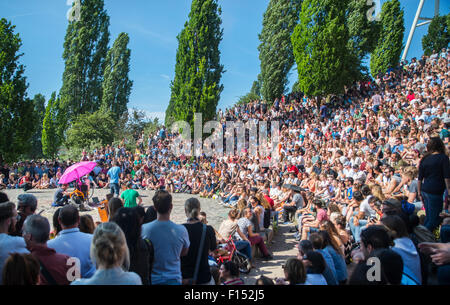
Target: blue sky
153,26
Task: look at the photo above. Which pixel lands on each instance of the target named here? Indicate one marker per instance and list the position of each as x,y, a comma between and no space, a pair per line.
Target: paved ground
282,246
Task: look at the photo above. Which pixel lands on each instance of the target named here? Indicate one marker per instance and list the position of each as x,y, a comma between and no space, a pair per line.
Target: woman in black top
141,251
195,229
434,179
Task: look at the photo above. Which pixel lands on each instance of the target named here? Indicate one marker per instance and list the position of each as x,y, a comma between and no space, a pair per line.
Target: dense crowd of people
361,176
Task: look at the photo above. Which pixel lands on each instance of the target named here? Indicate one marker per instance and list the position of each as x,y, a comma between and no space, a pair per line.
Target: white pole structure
416,25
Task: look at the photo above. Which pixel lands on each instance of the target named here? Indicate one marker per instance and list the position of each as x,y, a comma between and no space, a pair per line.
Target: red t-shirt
269,200
293,169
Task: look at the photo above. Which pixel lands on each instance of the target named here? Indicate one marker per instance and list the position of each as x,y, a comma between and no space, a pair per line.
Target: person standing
195,230
114,177
434,179
170,241
141,250
27,205
54,267
72,242
110,252
9,244
129,196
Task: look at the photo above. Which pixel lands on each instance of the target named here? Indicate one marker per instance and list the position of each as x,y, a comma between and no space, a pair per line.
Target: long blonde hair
109,246
377,191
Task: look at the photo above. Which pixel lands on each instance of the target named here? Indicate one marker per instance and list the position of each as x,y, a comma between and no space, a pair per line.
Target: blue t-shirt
168,239
330,270
113,173
77,244
339,264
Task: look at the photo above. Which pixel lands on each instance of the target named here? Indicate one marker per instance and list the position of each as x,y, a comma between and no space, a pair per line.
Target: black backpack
151,254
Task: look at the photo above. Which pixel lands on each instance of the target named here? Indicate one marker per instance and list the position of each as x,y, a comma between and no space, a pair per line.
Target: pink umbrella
76,171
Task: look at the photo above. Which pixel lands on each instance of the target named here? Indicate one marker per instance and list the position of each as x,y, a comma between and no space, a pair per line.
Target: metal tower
415,25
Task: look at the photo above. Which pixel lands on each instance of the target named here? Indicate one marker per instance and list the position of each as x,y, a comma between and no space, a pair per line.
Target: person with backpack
170,241
194,266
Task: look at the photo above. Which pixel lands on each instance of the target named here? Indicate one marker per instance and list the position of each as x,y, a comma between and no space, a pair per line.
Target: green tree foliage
151,127
17,118
91,128
85,48
50,137
36,140
256,86
363,32
116,84
249,97
196,86
438,36
320,43
275,50
390,43
136,123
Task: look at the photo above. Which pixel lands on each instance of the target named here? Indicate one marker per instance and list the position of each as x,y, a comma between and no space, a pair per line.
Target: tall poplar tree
50,138
196,86
363,32
390,43
17,118
275,50
320,43
85,49
438,35
116,84
36,139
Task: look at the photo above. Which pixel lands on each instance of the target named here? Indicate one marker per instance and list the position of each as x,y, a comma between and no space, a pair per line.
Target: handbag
193,281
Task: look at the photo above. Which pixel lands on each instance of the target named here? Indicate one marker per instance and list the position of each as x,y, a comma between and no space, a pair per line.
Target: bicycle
234,255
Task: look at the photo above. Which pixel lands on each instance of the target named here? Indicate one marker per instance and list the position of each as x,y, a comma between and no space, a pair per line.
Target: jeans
169,282
231,198
356,230
445,234
433,207
443,275
244,247
274,215
114,188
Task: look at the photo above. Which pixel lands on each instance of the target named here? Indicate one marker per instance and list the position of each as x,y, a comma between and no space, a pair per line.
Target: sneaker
54,204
